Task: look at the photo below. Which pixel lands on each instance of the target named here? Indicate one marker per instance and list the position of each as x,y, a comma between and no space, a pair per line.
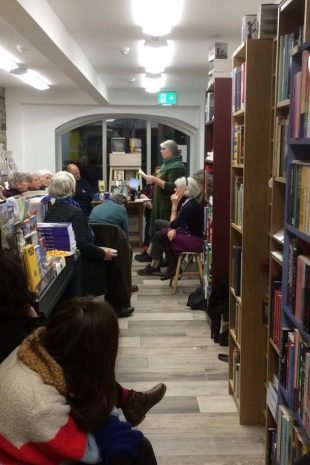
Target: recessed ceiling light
21,48
124,51
132,80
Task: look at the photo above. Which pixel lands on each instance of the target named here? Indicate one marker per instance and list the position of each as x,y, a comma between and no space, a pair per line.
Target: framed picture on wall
118,175
129,174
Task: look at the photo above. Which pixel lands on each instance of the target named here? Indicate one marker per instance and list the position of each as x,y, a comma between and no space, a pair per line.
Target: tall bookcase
288,360
250,171
217,175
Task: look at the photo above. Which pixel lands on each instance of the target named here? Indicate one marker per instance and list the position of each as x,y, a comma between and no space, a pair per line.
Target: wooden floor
164,341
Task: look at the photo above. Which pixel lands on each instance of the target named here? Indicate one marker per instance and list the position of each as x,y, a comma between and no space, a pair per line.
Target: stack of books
58,236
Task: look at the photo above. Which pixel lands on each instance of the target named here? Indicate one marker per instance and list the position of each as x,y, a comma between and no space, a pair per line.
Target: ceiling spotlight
132,80
21,48
124,51
157,17
155,54
153,82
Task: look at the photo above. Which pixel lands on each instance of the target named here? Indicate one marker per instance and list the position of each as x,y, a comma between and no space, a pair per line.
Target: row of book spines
238,144
294,373
238,201
280,147
275,314
299,208
286,43
291,440
239,81
236,269
300,126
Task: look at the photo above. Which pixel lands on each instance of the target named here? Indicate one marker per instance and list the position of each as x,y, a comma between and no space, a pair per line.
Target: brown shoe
134,288
141,402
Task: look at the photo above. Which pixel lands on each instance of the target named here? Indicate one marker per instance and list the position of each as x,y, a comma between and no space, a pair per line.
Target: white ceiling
76,44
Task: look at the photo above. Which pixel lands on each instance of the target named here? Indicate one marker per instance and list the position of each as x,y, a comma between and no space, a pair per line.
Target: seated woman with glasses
184,233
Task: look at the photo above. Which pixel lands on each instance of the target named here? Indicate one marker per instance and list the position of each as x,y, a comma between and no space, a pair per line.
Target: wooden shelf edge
236,227
276,259
280,179
234,338
283,103
236,399
237,166
240,51
238,299
274,346
238,113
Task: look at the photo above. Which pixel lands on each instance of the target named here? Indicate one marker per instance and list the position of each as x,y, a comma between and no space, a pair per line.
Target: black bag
196,299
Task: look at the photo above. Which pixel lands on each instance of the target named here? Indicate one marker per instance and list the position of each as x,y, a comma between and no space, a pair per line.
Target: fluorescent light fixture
157,17
31,77
7,62
153,82
155,54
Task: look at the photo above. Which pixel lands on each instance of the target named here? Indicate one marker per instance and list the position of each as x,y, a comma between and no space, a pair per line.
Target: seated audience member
199,177
45,177
185,231
18,319
34,182
99,274
112,211
147,193
83,191
58,391
18,183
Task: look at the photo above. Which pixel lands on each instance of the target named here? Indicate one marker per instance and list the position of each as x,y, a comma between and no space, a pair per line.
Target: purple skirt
184,242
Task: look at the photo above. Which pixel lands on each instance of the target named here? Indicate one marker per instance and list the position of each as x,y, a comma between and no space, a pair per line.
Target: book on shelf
267,16
286,43
238,144
239,79
280,147
275,311
299,202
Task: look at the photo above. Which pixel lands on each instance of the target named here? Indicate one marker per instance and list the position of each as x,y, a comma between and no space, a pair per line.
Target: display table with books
53,289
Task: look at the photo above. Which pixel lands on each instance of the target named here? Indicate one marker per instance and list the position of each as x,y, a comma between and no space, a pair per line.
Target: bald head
74,170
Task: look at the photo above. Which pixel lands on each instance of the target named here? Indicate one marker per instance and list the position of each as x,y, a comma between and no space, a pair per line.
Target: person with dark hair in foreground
58,391
18,319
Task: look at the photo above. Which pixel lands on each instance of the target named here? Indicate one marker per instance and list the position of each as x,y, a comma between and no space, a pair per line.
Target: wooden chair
194,257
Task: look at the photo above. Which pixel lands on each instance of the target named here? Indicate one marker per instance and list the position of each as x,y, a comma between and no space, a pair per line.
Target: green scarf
172,163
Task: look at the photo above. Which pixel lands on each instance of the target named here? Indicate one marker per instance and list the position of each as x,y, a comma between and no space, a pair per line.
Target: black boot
141,402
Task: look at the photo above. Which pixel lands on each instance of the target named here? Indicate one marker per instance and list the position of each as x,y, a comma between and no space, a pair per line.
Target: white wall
32,120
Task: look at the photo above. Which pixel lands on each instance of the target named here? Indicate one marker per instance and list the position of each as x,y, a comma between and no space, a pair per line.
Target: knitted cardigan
36,427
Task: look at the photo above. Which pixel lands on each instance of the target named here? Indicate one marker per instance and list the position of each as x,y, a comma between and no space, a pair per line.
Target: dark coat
93,266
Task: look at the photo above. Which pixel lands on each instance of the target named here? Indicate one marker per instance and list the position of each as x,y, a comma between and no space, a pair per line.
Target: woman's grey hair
44,172
172,146
15,177
62,185
31,176
191,186
120,199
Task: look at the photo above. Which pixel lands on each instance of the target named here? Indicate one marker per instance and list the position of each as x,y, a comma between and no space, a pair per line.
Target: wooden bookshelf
252,232
292,15
218,141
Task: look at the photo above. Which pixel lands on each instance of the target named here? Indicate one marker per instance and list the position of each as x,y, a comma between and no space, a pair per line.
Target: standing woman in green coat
171,169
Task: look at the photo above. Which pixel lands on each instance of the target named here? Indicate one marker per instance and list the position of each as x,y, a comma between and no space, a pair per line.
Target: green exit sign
167,98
